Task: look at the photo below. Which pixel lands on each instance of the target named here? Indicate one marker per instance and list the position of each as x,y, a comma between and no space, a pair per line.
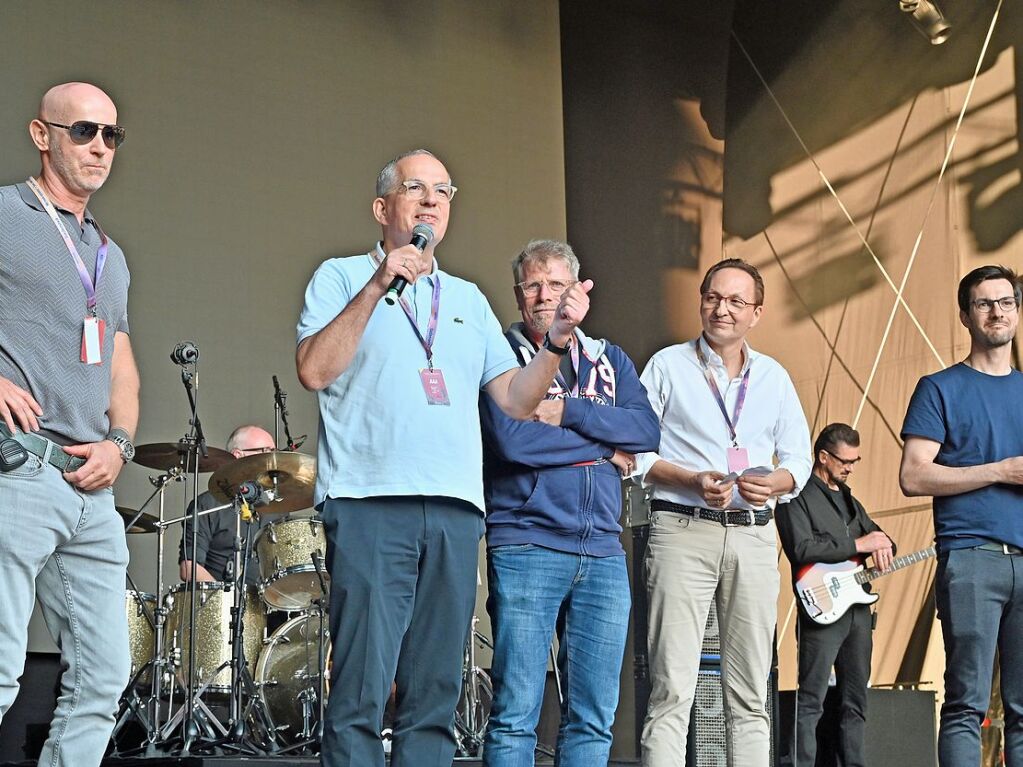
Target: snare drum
288,676
212,633
141,609
288,575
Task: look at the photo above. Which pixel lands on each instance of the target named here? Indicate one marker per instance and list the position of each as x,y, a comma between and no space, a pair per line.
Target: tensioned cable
831,345
841,205
930,206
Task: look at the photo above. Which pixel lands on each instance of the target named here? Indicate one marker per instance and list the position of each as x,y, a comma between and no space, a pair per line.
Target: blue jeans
402,592
534,591
979,597
66,549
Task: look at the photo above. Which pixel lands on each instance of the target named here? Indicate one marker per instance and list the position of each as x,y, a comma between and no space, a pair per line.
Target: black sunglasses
84,131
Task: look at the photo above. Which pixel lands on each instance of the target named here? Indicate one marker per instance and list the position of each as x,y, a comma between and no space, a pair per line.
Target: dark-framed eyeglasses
844,461
985,305
556,287
711,300
415,189
84,131
256,449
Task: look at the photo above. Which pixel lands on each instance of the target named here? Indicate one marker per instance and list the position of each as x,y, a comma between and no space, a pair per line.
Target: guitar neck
897,564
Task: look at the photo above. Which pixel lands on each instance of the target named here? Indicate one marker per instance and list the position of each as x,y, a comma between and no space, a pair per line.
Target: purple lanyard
88,283
431,328
739,402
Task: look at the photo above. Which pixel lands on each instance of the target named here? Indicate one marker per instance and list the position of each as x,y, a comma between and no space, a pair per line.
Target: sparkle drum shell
212,632
288,579
141,608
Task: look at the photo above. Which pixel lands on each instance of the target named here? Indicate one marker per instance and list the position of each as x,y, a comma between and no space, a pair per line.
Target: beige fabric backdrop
828,305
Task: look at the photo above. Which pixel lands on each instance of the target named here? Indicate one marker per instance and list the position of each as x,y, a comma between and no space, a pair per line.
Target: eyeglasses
843,461
1005,303
732,303
256,449
415,189
84,131
556,287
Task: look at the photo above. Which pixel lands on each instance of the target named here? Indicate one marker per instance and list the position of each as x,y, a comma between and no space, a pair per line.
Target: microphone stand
196,441
281,416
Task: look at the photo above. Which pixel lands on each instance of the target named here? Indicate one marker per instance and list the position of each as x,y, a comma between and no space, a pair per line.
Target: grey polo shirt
42,309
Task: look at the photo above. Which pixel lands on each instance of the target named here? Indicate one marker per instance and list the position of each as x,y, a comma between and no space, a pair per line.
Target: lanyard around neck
91,285
708,376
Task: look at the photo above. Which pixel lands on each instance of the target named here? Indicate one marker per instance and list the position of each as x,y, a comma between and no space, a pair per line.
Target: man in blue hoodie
553,497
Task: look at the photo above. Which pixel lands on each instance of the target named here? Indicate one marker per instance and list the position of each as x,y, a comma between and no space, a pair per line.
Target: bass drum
288,676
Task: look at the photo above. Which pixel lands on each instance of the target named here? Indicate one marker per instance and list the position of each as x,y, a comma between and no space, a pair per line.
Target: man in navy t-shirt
964,445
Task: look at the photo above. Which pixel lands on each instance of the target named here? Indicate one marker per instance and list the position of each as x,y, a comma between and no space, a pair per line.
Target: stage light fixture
928,19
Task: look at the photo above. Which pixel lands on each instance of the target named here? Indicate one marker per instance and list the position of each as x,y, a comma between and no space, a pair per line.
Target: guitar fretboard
897,564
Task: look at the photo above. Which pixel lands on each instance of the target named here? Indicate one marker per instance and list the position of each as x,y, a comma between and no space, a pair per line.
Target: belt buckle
724,519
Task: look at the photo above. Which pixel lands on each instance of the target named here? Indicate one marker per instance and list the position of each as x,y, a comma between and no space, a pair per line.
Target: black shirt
215,540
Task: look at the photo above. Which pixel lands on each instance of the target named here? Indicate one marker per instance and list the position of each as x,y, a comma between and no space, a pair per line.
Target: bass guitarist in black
825,524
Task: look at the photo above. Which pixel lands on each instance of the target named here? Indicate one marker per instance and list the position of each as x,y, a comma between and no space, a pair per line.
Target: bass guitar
826,592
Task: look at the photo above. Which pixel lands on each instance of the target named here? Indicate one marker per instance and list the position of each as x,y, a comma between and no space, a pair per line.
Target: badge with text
434,386
92,341
738,459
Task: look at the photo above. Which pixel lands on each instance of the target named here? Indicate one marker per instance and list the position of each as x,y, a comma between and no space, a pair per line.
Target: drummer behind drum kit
207,676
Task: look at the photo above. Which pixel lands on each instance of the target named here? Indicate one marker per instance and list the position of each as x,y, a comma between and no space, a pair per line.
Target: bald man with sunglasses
68,411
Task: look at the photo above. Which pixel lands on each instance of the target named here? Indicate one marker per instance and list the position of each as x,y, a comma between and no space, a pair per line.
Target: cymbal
292,476
146,523
167,455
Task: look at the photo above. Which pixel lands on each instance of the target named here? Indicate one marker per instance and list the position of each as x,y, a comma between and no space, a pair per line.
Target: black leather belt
724,517
1001,548
50,452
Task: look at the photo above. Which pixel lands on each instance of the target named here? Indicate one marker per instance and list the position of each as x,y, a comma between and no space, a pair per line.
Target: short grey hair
540,252
387,179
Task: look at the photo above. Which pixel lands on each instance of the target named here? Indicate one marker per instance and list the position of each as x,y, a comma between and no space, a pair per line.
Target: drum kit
227,667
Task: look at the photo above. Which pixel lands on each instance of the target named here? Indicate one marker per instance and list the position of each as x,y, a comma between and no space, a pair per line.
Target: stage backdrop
689,135
254,135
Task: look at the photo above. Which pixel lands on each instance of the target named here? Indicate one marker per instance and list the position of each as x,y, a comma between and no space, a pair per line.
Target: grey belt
1001,548
50,452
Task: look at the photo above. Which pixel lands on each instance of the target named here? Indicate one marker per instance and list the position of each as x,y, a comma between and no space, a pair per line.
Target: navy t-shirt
977,418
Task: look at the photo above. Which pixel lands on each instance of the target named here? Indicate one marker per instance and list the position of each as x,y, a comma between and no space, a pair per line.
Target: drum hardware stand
310,738
147,710
281,416
242,684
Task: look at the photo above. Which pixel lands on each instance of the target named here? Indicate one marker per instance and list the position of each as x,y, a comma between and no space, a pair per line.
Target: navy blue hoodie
553,485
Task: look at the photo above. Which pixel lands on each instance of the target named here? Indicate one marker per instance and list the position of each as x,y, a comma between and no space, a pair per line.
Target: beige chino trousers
690,562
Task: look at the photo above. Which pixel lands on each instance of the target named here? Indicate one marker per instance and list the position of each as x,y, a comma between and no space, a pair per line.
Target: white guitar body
826,592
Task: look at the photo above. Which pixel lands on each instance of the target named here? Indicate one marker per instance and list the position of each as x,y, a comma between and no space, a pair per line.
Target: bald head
249,439
71,169
68,102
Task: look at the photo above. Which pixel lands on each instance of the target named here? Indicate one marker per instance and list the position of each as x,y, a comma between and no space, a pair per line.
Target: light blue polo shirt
378,434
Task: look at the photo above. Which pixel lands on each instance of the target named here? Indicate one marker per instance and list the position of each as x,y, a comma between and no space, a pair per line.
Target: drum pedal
12,455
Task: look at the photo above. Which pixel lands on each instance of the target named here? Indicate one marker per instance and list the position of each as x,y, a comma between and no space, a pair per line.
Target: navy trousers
402,593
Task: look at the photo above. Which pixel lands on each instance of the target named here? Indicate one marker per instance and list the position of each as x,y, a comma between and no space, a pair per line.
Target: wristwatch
120,438
550,346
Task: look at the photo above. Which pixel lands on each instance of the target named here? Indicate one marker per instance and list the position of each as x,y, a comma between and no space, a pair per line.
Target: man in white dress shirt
734,441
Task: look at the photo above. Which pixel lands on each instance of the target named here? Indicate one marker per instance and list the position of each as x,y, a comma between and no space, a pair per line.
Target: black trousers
402,592
847,645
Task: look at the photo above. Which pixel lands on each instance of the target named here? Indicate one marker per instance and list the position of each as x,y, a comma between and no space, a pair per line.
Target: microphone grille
423,230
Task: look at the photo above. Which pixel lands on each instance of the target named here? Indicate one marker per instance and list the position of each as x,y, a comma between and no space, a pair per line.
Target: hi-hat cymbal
146,523
292,477
167,455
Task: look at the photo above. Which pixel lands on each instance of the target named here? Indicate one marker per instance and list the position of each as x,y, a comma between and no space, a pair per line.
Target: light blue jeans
66,549
534,591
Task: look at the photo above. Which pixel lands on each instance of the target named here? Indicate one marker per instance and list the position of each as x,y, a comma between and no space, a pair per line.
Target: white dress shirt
694,434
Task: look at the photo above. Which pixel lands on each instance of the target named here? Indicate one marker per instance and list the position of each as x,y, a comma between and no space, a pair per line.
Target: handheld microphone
422,235
185,353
